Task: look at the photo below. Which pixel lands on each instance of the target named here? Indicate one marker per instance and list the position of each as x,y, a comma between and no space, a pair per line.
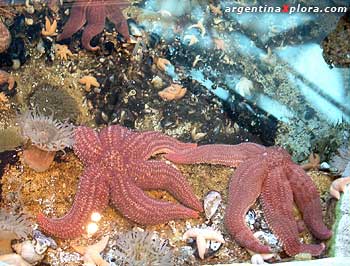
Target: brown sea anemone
44,136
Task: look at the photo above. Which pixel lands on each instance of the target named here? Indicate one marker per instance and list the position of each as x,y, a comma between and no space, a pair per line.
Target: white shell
27,251
211,203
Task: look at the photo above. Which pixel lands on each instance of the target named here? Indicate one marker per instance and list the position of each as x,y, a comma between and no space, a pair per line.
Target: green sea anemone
47,98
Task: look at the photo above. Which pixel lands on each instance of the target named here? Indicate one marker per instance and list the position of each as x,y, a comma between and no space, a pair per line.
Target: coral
140,248
48,99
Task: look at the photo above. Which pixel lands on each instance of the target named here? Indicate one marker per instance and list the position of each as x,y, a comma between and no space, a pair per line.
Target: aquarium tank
174,132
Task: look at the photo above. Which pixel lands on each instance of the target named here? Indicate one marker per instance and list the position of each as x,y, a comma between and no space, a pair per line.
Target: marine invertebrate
89,81
271,174
314,162
45,136
117,166
27,251
140,248
202,235
173,92
338,186
50,28
48,99
12,226
7,78
62,51
94,13
91,254
5,38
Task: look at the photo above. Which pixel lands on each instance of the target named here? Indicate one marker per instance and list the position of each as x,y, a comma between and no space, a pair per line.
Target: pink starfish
270,174
93,13
117,168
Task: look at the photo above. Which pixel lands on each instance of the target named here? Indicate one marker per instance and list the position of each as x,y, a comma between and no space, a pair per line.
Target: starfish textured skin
271,174
93,13
117,167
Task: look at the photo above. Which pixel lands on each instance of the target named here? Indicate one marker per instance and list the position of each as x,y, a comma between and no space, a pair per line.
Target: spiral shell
5,38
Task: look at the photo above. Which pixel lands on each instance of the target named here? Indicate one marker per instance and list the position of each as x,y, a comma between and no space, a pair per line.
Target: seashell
5,38
43,242
27,251
211,203
157,82
250,218
324,166
134,29
257,259
268,239
244,87
303,256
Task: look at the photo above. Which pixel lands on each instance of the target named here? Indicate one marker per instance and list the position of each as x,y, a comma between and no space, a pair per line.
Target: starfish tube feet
160,175
92,196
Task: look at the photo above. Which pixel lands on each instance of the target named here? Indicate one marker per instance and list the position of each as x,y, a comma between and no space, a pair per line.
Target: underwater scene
174,132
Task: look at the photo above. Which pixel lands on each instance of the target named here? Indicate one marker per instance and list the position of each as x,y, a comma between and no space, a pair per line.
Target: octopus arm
308,201
160,175
277,202
229,155
244,189
135,205
92,195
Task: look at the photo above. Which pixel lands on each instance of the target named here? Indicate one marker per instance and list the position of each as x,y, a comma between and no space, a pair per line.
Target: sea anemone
12,226
45,136
140,248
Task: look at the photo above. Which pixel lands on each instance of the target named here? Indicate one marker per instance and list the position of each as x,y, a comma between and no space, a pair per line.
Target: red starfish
270,173
94,13
117,167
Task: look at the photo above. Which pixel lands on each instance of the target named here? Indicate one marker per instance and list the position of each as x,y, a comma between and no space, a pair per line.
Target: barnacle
139,248
45,136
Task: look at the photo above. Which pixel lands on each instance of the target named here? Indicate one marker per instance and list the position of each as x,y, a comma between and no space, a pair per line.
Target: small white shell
211,203
27,251
257,259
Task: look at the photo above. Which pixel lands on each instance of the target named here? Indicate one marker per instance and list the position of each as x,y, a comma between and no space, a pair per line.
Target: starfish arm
307,199
115,15
76,20
92,195
138,207
115,136
277,202
144,145
160,175
95,25
229,155
244,189
87,145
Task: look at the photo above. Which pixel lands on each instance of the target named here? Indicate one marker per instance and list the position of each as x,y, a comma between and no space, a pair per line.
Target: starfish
314,162
94,13
62,51
173,92
5,38
202,235
117,167
271,174
89,81
338,186
50,28
91,254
